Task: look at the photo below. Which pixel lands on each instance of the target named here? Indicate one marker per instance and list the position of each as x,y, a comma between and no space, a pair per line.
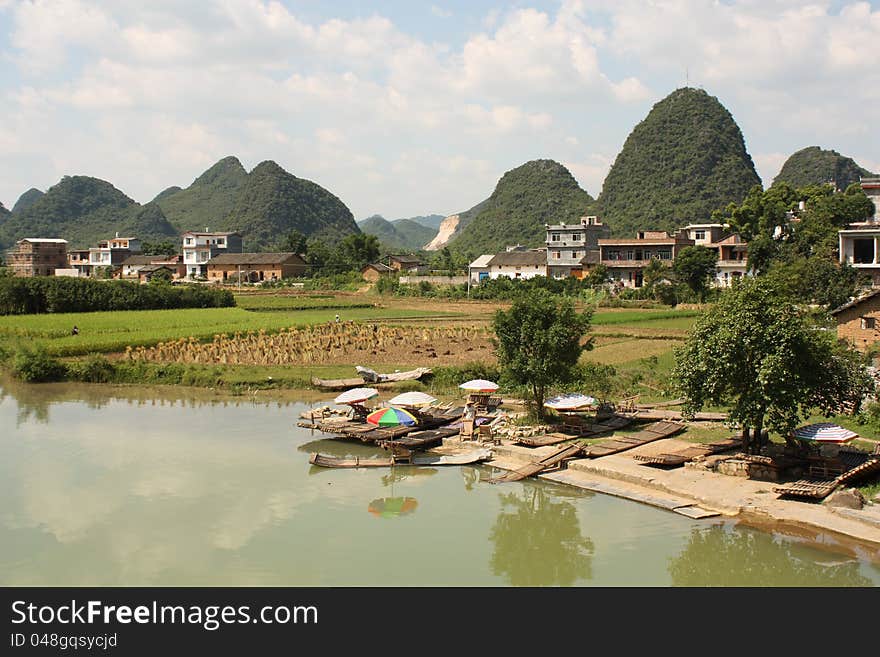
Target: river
118,486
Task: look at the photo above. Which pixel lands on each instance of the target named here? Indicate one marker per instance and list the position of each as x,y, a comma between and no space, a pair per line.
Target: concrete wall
434,280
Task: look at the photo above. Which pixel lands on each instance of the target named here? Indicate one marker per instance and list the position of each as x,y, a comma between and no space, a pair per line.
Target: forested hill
273,202
401,234
208,199
816,166
684,160
27,199
83,210
525,198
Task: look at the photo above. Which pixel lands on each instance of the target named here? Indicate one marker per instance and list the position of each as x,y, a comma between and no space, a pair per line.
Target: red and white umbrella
356,396
479,385
824,432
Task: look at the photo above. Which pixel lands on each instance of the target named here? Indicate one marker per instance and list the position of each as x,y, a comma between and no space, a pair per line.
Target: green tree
161,277
539,342
359,250
694,266
163,248
759,352
598,276
653,274
295,242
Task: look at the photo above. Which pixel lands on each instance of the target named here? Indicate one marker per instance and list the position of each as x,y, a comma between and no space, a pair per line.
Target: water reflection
537,540
392,507
721,555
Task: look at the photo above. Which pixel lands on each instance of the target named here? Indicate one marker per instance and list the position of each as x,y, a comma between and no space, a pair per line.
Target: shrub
94,369
36,366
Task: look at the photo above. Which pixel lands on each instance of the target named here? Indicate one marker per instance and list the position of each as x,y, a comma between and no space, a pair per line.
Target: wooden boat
344,384
474,456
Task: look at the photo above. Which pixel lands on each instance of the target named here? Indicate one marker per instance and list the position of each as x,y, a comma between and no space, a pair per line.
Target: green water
107,486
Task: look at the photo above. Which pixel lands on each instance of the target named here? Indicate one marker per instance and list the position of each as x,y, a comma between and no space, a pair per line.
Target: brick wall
853,324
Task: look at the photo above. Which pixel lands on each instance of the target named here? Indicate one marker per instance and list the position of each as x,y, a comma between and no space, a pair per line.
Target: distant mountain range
402,234
264,205
815,166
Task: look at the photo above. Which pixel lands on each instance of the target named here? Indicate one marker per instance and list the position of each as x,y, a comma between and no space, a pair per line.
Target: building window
189,240
630,255
868,322
576,237
863,251
614,255
554,237
575,254
664,255
556,255
699,234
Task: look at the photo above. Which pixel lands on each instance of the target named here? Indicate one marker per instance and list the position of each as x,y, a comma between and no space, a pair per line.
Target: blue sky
407,108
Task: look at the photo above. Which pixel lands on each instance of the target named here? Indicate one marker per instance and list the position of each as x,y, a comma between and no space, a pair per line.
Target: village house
406,264
37,256
858,322
478,270
732,251
573,248
78,263
112,252
871,187
199,248
858,242
255,267
518,263
375,270
145,274
626,259
133,265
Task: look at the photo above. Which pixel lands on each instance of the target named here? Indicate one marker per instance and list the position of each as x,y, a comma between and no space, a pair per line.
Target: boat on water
467,458
371,377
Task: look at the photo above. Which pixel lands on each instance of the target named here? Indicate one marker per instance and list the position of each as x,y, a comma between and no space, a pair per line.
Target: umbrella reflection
391,507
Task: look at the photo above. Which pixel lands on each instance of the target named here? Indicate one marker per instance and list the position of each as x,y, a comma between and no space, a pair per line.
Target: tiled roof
255,259
519,258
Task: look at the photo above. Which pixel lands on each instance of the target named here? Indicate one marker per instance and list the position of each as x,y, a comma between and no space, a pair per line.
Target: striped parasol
479,385
824,432
414,399
356,396
391,416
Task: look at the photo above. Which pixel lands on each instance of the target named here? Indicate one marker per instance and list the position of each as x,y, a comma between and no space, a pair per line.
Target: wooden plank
695,512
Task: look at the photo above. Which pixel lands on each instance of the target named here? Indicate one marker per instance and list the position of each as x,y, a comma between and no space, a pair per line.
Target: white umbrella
414,398
569,402
824,432
479,385
356,396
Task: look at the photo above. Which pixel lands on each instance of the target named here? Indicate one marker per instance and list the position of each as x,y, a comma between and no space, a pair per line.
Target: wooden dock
647,435
571,430
818,490
660,414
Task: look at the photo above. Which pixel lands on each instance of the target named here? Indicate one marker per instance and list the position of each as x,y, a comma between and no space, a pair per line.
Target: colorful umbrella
390,507
391,416
824,432
479,385
414,398
356,396
569,402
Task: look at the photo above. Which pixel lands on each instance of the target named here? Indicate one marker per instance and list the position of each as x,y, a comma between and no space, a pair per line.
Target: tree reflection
538,541
721,556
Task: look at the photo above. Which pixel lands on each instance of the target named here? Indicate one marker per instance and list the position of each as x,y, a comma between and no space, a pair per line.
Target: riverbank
702,494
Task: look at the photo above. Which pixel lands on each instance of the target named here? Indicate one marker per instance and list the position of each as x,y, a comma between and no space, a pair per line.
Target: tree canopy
695,266
758,351
539,341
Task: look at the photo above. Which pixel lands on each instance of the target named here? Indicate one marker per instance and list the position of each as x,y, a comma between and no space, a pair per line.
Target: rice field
619,351
114,331
281,302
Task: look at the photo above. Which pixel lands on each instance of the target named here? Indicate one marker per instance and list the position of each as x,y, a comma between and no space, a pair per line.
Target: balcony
633,263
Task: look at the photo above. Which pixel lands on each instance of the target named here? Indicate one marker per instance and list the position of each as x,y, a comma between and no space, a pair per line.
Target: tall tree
359,250
294,242
695,266
539,341
758,351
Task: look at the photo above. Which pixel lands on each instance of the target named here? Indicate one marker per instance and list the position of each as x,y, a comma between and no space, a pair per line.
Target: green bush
37,366
94,369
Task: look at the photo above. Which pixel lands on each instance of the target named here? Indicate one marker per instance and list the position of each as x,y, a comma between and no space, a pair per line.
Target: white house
518,264
112,252
198,248
478,270
732,250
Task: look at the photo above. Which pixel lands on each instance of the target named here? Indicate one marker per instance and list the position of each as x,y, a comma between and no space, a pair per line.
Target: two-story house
199,248
113,252
627,258
37,256
569,246
78,260
732,250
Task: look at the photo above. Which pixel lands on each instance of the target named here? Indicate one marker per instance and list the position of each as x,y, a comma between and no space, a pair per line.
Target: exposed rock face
448,228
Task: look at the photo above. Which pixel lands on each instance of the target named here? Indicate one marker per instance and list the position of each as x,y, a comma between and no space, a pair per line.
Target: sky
410,108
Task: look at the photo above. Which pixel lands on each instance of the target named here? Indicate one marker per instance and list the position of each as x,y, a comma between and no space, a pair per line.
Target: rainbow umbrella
391,416
390,507
479,385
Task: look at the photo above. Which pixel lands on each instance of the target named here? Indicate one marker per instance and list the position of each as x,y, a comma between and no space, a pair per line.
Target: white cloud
439,12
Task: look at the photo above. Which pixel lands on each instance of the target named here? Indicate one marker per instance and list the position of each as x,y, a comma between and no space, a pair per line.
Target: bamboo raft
468,458
818,490
577,431
369,433
418,440
554,460
647,435
659,414
355,382
682,456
